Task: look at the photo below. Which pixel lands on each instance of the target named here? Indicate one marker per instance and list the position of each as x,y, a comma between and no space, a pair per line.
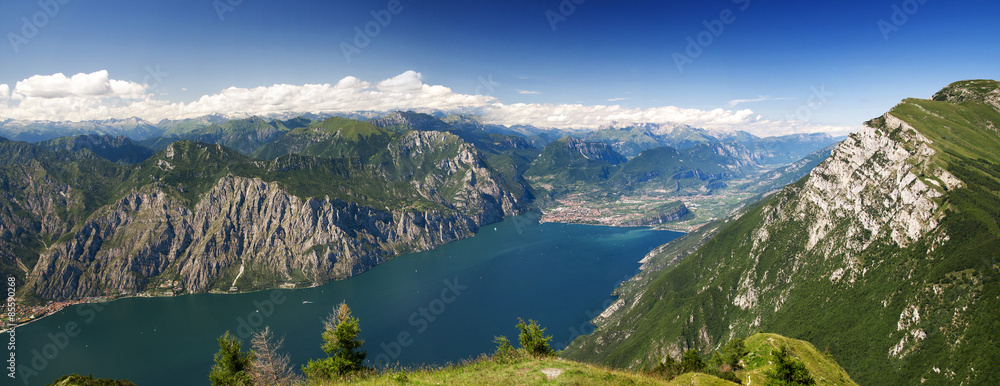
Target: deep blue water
432,307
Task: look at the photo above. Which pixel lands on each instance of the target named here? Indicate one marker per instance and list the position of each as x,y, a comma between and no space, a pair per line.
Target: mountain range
212,204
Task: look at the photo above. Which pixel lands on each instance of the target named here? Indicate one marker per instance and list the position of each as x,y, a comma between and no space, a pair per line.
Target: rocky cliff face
595,151
250,233
461,181
149,237
872,188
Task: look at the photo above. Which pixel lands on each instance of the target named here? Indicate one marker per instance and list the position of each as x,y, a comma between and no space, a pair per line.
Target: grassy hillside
530,370
524,371
759,360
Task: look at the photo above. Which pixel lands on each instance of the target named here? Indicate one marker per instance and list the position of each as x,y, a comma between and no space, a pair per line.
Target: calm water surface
446,305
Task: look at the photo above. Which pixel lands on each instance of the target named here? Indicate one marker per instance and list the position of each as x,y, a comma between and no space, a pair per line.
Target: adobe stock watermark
814,102
585,328
697,45
11,326
48,349
246,327
39,20
154,77
487,84
222,7
900,15
521,223
566,9
420,319
363,36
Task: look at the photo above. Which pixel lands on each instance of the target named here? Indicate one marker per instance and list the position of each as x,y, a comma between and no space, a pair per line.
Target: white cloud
96,84
528,92
95,96
583,116
617,99
406,82
762,98
4,92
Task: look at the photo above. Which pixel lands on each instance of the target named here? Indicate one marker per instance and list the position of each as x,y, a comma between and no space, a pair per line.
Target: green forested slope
887,255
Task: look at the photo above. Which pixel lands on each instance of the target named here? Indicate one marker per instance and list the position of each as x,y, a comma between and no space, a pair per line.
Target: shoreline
55,307
60,306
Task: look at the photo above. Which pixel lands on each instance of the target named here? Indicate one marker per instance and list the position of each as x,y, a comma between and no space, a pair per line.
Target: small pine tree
533,339
691,361
734,351
728,359
788,371
232,366
341,343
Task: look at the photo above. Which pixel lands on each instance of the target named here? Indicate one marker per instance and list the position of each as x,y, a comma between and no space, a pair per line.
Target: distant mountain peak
979,90
410,120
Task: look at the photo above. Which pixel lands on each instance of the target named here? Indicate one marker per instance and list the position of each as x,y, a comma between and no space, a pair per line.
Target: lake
431,307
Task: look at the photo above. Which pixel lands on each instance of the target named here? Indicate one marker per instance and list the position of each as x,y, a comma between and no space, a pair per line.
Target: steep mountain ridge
885,253
402,121
332,137
569,161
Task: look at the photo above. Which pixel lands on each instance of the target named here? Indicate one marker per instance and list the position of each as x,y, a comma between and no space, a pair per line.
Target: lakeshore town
579,209
25,314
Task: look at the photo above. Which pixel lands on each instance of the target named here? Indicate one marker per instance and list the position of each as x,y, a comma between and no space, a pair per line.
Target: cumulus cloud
96,84
96,96
406,82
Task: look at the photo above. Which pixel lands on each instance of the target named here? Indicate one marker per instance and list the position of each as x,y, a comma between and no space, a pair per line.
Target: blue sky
776,67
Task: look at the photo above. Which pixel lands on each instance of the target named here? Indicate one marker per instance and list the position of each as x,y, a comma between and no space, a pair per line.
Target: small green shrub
533,338
505,352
